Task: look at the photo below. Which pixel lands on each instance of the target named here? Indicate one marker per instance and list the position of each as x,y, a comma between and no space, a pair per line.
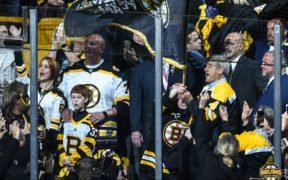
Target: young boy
76,139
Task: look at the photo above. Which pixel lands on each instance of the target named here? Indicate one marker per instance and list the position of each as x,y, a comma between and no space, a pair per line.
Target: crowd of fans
96,120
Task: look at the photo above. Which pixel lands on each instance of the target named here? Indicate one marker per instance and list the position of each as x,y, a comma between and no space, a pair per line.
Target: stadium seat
46,26
43,51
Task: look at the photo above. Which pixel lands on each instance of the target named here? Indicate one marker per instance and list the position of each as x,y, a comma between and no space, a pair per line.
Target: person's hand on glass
15,31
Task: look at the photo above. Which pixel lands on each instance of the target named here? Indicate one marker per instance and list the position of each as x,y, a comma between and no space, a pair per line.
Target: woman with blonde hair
222,162
227,147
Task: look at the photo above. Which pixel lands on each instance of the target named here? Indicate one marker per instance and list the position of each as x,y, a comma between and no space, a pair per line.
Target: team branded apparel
173,128
211,165
257,150
51,101
76,139
221,93
21,155
107,89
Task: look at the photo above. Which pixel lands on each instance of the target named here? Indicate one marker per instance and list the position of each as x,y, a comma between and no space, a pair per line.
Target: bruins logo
95,96
61,107
173,131
270,171
153,7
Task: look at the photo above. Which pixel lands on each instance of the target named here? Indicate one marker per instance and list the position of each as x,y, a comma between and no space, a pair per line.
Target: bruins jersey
52,101
107,88
173,128
256,149
220,93
76,138
254,142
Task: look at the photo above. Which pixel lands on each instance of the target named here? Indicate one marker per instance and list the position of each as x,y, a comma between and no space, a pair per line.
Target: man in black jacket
245,78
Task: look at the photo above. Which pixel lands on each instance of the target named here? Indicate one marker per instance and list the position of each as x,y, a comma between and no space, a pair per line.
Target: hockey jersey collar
90,70
216,82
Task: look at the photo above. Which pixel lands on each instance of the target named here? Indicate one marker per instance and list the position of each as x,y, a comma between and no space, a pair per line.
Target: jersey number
126,88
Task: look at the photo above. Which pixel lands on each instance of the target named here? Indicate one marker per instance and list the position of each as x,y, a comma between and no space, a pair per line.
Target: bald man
109,93
246,78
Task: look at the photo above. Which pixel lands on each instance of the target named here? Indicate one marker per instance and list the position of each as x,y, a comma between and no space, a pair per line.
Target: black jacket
142,92
19,167
211,164
7,154
247,81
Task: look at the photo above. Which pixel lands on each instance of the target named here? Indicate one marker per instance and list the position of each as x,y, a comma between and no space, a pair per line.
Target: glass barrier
223,52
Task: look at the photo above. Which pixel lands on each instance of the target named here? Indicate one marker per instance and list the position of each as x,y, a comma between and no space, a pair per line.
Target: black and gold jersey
174,126
221,94
107,88
52,101
76,138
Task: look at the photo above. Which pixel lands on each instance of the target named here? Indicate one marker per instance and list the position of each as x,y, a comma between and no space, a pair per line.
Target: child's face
78,101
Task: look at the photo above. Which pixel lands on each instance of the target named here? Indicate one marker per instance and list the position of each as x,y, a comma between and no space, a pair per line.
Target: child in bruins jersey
76,138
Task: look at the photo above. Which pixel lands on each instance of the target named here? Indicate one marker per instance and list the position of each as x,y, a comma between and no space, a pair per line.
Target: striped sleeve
58,107
22,75
122,98
60,148
122,92
149,160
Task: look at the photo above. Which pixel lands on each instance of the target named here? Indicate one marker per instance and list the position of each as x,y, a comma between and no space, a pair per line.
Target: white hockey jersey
74,134
106,86
76,138
52,102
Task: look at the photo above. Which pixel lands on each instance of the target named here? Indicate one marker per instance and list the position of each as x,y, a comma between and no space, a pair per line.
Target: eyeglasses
24,99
